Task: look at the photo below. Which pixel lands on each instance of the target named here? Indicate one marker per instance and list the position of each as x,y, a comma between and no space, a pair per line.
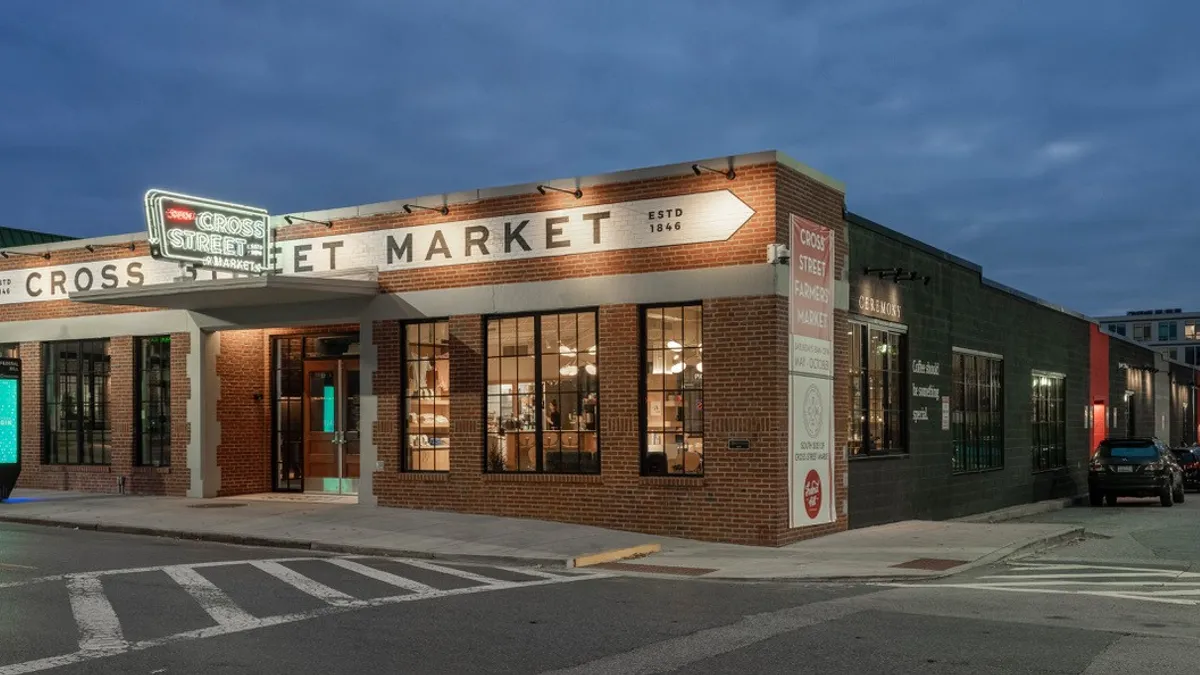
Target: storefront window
75,407
1049,422
877,402
976,416
672,354
10,350
154,401
543,393
427,397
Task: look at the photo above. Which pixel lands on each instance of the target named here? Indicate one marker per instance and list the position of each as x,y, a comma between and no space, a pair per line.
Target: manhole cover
216,505
655,569
933,564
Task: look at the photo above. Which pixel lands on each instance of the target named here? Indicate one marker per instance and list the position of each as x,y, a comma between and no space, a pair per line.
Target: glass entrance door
331,426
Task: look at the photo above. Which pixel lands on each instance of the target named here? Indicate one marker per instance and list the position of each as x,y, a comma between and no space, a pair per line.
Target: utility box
10,425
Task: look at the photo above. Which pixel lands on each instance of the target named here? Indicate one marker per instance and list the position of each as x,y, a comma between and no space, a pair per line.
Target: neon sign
208,233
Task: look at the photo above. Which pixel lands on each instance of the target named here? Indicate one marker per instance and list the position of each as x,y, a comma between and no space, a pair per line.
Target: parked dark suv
1134,467
1189,461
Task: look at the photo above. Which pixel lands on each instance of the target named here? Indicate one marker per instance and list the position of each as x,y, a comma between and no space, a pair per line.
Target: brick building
687,350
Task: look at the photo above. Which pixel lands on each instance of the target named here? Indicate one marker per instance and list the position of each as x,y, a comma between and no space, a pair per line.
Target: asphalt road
86,602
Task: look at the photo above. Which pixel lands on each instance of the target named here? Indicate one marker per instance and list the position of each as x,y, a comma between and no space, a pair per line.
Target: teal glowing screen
8,421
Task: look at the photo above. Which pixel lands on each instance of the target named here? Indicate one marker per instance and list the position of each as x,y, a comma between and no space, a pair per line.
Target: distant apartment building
1172,332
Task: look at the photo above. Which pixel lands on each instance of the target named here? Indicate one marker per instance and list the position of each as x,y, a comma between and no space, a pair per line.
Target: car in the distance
1134,467
1189,461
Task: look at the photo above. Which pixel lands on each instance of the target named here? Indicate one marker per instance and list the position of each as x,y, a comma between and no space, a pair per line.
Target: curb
301,544
1022,510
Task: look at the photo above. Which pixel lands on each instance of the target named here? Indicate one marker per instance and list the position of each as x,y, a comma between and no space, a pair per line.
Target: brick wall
743,495
243,453
821,204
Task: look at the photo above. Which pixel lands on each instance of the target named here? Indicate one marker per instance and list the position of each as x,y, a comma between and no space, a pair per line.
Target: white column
202,413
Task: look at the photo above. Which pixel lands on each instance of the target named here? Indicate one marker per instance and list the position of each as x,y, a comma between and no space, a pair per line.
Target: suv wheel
1166,497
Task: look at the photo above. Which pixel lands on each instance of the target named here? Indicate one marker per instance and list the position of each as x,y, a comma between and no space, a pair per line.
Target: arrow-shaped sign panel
668,221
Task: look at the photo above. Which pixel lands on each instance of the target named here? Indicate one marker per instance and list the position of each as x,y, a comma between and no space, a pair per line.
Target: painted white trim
1048,373
97,326
878,323
976,352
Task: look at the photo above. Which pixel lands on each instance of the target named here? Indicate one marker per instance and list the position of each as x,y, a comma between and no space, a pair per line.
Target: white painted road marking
1145,584
100,627
219,606
386,577
314,588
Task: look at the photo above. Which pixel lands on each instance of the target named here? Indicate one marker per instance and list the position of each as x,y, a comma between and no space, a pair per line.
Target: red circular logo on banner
812,494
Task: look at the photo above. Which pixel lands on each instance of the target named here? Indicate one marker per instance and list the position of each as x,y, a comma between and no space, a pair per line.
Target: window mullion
539,403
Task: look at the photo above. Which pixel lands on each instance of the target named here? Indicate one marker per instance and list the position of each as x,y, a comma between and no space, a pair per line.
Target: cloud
1062,140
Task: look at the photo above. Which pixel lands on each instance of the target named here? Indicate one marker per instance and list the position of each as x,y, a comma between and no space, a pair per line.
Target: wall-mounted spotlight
8,254
91,248
883,271
444,210
699,168
913,276
290,220
578,194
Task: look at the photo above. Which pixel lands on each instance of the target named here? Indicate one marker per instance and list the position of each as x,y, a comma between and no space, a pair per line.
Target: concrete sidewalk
912,549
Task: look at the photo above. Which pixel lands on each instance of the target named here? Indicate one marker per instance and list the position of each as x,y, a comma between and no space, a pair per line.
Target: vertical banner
810,375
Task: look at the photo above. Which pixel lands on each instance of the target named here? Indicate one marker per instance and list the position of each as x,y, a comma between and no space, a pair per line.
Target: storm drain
655,569
932,564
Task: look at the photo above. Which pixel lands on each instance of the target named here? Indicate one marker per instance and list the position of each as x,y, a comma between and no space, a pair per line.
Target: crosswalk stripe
99,627
213,600
312,587
1085,575
462,574
1116,568
386,577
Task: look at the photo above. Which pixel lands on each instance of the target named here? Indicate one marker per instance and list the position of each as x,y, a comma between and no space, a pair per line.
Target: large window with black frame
75,405
543,393
673,390
1049,419
10,350
426,441
976,412
154,401
875,425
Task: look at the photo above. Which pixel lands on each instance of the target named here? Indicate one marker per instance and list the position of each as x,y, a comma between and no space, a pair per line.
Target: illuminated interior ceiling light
565,350
91,248
592,350
674,346
290,221
577,193
444,210
7,254
699,366
677,368
699,169
569,371
590,368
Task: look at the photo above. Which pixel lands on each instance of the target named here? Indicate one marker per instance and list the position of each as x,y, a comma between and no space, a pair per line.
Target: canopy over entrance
264,291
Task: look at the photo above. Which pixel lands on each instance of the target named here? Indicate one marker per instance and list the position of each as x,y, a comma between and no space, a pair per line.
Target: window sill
871,458
543,478
428,476
672,481
974,472
82,468
152,469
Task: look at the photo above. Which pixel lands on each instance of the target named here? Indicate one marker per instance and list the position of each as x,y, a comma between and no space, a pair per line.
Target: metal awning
216,294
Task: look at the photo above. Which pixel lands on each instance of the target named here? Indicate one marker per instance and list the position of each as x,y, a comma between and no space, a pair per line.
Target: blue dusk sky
1055,143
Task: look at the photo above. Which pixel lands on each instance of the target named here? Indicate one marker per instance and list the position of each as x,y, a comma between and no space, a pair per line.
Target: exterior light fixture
577,193
290,221
91,248
7,254
444,210
698,169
